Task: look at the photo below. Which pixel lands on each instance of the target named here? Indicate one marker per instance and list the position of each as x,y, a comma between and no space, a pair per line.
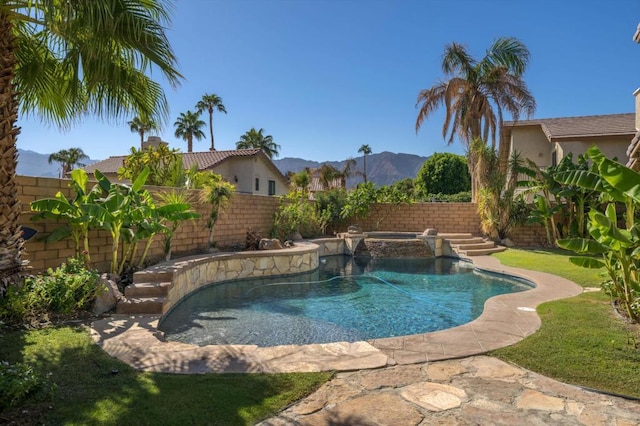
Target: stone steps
465,244
141,305
152,289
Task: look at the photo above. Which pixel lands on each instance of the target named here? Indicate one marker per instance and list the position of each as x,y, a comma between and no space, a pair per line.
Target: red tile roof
206,160
581,127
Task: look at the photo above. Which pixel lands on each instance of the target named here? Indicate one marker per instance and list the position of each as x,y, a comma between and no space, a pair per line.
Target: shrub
65,290
296,214
443,173
329,205
19,382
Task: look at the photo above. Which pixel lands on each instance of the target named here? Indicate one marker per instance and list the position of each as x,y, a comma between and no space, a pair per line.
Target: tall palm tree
189,126
348,169
141,126
68,159
478,93
255,139
42,52
365,150
209,103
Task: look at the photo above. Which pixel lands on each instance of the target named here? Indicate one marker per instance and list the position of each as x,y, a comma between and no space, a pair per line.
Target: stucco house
633,152
547,141
250,170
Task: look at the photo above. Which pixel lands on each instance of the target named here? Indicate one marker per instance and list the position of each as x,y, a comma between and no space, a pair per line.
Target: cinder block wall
245,212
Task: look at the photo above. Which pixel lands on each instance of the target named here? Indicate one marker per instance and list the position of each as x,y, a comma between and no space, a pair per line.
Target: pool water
344,300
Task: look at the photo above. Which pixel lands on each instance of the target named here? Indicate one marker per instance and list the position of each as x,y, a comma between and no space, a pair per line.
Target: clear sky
324,77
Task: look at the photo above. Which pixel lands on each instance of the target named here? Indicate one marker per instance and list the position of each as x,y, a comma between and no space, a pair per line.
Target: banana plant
619,248
73,212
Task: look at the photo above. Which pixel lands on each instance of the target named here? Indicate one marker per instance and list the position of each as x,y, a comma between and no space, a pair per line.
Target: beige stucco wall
531,143
612,147
246,170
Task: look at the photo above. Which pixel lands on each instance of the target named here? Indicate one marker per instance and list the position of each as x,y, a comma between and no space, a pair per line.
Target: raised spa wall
179,278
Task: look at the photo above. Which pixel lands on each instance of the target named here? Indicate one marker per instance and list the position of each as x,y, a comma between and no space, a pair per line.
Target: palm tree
328,175
255,139
141,126
189,126
68,159
218,193
366,150
210,103
348,169
115,52
477,94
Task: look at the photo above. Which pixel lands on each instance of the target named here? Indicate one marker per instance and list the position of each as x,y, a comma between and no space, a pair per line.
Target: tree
255,139
443,173
141,126
42,54
209,103
68,159
328,175
164,164
189,126
218,193
477,94
348,169
365,150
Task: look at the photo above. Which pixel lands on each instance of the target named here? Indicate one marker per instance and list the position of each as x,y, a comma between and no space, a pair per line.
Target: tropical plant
188,126
255,139
618,248
301,180
296,214
72,212
68,159
210,103
218,194
443,173
164,164
498,207
179,211
477,93
329,175
101,72
329,205
365,150
141,126
365,200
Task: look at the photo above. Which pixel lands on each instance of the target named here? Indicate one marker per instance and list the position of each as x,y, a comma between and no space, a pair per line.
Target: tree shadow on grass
95,388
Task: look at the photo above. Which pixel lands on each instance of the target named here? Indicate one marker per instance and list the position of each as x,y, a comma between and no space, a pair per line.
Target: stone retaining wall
194,272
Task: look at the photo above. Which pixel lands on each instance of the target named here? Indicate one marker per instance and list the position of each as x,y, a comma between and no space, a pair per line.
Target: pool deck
434,378
506,319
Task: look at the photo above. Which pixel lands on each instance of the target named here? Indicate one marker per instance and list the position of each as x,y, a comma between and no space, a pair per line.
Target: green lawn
582,341
90,391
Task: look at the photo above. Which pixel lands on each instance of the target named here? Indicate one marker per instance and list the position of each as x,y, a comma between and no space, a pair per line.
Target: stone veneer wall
192,273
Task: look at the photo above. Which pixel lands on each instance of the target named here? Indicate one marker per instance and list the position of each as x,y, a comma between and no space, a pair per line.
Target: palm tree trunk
503,152
365,168
213,148
190,143
11,242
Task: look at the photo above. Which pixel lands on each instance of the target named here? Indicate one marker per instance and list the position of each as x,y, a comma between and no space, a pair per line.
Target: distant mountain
384,168
32,163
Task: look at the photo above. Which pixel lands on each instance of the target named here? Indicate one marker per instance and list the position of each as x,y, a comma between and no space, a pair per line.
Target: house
633,152
250,170
547,141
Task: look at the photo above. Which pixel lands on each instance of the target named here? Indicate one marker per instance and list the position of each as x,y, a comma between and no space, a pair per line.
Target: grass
582,341
94,388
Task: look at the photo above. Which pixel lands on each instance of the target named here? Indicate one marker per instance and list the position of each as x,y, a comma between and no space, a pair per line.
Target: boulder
289,244
270,244
107,300
430,231
506,242
294,236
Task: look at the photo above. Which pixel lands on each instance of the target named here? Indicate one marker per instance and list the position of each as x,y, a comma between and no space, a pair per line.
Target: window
257,184
272,187
554,158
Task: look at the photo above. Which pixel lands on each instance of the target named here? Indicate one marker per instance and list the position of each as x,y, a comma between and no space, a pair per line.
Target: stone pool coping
506,319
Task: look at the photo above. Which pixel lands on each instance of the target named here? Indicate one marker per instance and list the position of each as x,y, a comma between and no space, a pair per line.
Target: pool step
141,305
467,245
148,289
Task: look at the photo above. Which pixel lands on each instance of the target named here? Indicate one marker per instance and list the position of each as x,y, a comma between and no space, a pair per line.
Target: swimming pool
346,299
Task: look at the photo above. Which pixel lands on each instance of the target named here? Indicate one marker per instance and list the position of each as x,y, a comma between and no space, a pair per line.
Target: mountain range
383,168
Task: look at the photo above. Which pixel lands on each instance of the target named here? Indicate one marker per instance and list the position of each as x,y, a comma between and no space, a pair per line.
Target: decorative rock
289,244
295,236
270,244
434,396
534,400
107,300
506,242
430,231
354,229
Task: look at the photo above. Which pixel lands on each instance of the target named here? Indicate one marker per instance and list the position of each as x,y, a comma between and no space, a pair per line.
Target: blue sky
324,77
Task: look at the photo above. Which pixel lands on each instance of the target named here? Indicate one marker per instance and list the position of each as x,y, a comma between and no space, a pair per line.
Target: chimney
153,141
